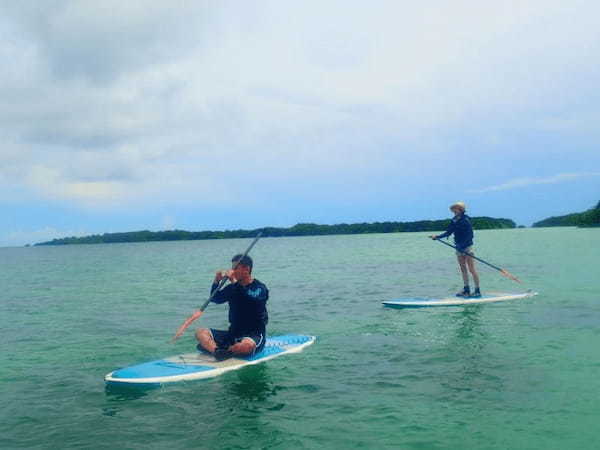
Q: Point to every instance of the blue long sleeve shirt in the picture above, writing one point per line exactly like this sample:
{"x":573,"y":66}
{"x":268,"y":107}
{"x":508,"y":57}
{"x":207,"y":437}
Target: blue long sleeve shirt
{"x":462,"y":229}
{"x":247,"y":306}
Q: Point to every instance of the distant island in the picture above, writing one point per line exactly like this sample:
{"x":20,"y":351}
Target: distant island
{"x":589,"y":218}
{"x":301,"y":229}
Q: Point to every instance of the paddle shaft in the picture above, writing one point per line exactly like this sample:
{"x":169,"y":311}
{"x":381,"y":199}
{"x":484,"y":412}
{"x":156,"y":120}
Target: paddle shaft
{"x":468,"y":254}
{"x":501,"y":270}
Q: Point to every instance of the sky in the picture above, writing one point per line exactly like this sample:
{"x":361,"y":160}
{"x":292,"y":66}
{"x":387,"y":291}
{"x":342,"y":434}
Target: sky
{"x":212,"y":115}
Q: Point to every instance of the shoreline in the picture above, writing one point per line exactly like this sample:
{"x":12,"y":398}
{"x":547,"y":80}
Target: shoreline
{"x":301,"y":229}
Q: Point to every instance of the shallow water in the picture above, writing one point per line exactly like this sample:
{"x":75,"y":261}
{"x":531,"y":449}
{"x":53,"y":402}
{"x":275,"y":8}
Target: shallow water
{"x":520,"y":374}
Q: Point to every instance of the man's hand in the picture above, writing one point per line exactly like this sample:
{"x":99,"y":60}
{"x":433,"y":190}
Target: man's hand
{"x":231,"y":275}
{"x":225,"y":274}
{"x":434,"y":237}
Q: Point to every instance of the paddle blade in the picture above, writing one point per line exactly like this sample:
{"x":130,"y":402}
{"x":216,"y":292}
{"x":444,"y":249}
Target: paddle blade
{"x":509,"y":275}
{"x":186,"y":324}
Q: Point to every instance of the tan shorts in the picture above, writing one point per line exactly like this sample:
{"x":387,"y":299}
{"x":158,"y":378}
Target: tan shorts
{"x":468,"y":250}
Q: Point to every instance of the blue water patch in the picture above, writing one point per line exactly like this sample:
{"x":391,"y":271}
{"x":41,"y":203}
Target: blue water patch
{"x":159,"y":368}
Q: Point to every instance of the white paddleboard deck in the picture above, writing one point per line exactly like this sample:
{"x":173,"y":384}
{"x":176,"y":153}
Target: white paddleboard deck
{"x":456,"y":301}
{"x":196,"y":366}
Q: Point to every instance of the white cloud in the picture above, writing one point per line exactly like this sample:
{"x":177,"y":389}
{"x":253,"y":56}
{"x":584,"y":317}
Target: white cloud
{"x":517,"y":183}
{"x":114,"y":103}
{"x":21,"y":237}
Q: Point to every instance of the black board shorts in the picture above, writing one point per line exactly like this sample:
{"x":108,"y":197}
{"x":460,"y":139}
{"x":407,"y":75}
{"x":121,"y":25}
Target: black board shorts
{"x":224,"y":338}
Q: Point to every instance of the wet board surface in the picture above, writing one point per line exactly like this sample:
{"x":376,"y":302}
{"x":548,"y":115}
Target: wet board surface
{"x":198,"y":365}
{"x":455,"y":301}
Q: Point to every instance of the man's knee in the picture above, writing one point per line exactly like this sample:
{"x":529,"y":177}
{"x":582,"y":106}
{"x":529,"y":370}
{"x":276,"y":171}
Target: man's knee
{"x":245,"y":347}
{"x":203,"y":334}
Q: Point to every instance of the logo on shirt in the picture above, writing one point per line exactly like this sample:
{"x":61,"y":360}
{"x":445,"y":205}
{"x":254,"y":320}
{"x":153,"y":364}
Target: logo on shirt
{"x":254,"y":292}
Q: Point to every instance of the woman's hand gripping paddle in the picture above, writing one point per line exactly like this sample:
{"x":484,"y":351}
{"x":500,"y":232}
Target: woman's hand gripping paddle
{"x":504,"y":272}
{"x":199,"y":312}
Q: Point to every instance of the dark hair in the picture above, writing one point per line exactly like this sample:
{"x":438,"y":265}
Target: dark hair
{"x":243,"y":260}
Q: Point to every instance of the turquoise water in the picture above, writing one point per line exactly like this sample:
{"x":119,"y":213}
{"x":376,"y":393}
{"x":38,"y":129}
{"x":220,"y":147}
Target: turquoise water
{"x":519,"y":374}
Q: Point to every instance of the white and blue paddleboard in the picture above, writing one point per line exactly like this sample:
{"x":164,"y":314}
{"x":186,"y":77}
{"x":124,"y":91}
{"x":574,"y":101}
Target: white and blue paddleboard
{"x":455,"y":301}
{"x":196,"y":366}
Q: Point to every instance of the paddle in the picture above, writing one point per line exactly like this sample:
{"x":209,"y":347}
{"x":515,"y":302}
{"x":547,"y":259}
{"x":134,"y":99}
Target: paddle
{"x":502,"y":271}
{"x":199,"y":312}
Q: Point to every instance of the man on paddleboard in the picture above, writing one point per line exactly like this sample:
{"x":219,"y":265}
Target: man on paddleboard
{"x":248,"y":315}
{"x":462,"y":229}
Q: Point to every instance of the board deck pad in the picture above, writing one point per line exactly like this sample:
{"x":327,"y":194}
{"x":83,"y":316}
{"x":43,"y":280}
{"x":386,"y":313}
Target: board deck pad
{"x":199,"y":365}
{"x":455,"y":301}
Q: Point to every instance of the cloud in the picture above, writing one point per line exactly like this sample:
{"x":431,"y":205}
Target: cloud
{"x":51,"y":183}
{"x":101,"y":42}
{"x":532,"y":181}
{"x":22,"y":237}
{"x":110,"y":104}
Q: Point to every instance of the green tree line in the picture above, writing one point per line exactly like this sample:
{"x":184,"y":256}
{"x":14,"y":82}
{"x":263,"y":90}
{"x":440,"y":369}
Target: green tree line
{"x":589,"y":218}
{"x":301,"y":229}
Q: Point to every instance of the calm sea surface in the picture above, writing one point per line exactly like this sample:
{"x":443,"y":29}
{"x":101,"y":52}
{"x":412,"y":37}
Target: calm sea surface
{"x":522,"y":374}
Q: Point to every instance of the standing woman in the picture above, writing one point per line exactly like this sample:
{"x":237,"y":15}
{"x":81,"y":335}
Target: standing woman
{"x":463,"y":240}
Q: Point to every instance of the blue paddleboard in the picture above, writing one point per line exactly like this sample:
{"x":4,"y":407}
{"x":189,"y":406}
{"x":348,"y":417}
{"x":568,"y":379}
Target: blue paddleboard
{"x":198,"y":365}
{"x":455,"y":301}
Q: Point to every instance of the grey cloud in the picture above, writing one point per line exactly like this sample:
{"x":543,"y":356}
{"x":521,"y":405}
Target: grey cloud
{"x":175,"y":93}
{"x":101,"y":41}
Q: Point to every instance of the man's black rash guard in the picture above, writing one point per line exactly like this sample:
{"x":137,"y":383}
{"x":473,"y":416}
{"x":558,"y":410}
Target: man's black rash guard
{"x":463,"y":231}
{"x":247,"y":307}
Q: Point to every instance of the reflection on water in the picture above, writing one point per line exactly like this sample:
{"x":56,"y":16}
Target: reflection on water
{"x":469,"y":324}
{"x":253,"y":384}
{"x":471,"y":369}
{"x":247,"y":389}
{"x":122,"y":392}
{"x":243,"y":401}
{"x":117,"y":395}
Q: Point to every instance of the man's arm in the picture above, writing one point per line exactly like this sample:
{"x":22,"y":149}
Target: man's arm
{"x":219,"y":296}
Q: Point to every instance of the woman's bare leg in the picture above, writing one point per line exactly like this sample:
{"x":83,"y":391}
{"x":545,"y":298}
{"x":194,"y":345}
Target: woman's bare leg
{"x":474,"y":274}
{"x":463,"y":268}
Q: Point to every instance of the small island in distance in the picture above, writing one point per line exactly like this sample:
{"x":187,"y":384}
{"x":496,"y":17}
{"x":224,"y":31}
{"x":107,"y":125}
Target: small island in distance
{"x":301,"y":229}
{"x":588,"y":218}
{"x":585,"y":219}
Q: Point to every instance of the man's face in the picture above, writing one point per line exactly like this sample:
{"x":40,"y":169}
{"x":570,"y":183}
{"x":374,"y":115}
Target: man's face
{"x":241,"y":271}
